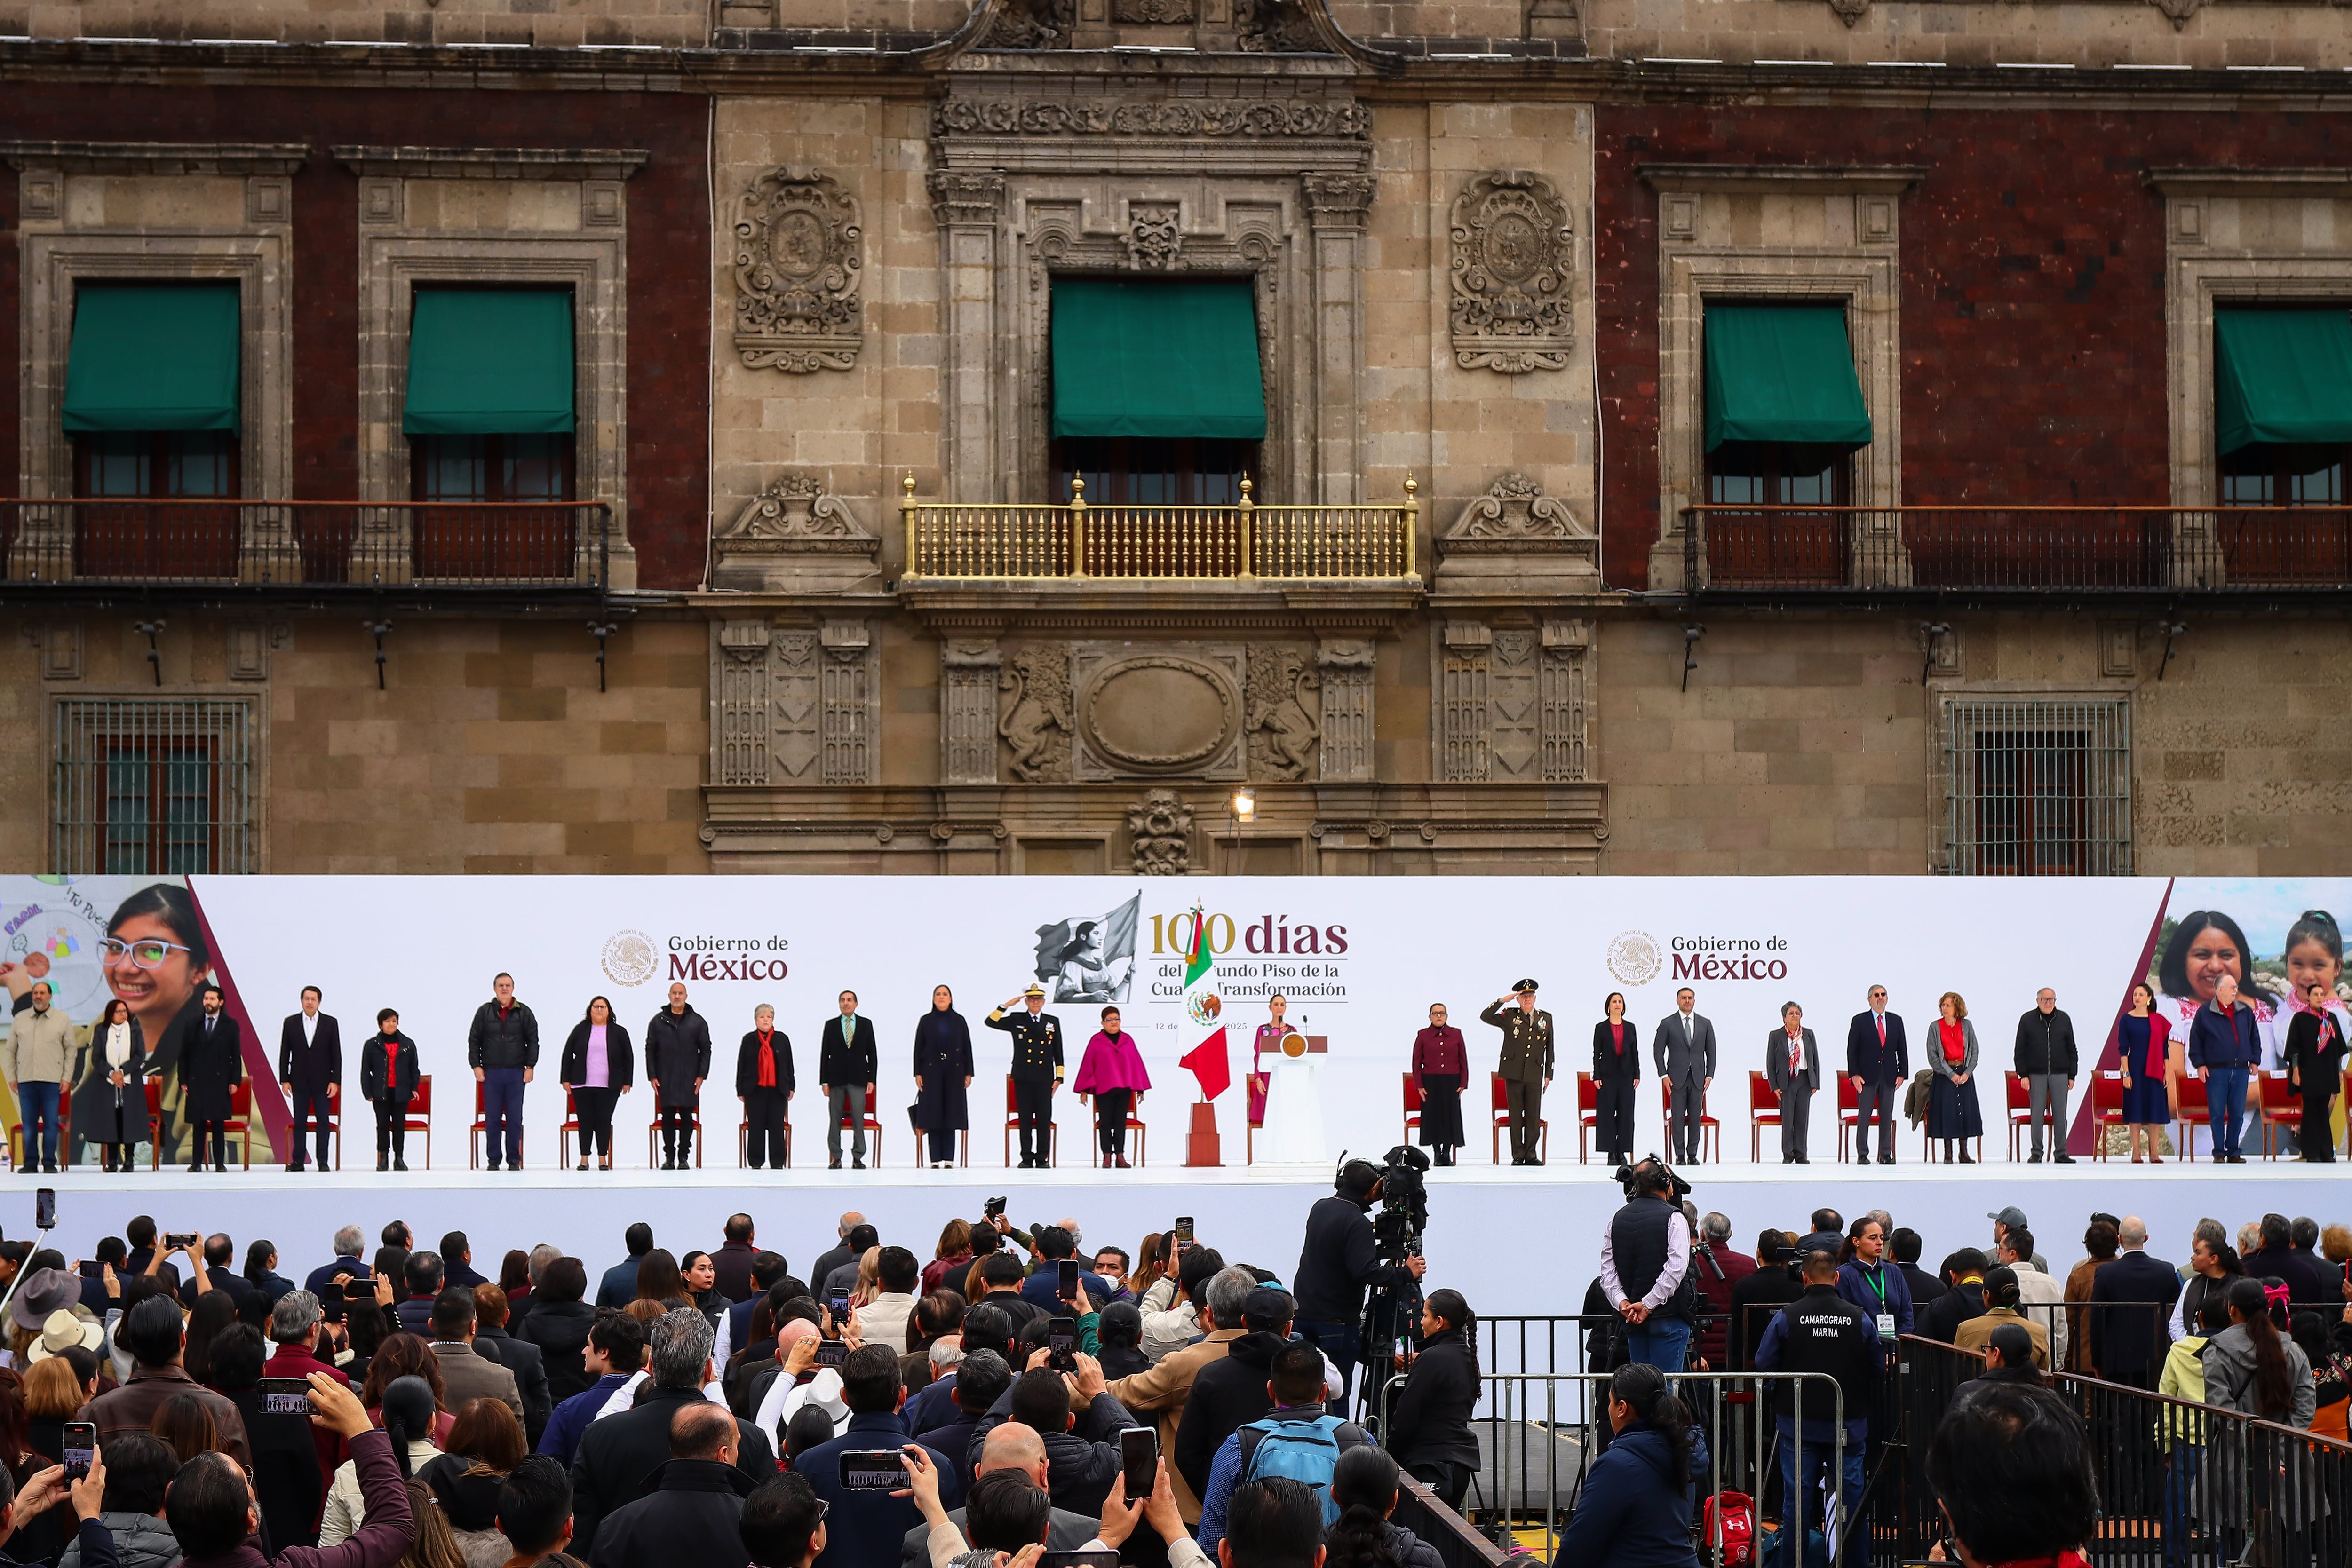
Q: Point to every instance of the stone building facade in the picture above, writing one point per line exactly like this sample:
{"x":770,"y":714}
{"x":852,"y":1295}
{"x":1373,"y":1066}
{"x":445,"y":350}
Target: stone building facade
{"x":808,"y":591}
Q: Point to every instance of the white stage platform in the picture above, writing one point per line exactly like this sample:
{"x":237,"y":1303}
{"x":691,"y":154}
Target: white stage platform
{"x":1512,"y":1240}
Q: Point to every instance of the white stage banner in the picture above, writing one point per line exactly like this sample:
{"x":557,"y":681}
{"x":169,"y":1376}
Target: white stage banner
{"x":1358,"y":961}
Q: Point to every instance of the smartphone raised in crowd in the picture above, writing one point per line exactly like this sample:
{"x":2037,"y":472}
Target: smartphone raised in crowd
{"x":79,"y":1448}
{"x":180,"y":1240}
{"x":1183,"y":1231}
{"x":1061,"y":1343}
{"x":45,"y":1209}
{"x":832,"y":1353}
{"x":1138,"y":1462}
{"x":873,"y":1469}
{"x":1069,"y":1288}
{"x":840,"y":1307}
{"x":284,"y":1396}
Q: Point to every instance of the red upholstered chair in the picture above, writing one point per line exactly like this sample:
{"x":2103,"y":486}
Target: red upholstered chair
{"x":420,"y":1114}
{"x":2280,"y":1108}
{"x":1708,"y":1127}
{"x":1763,"y":1111}
{"x":653,"y":1131}
{"x":2106,"y":1107}
{"x":2194,"y":1111}
{"x":154,"y":1124}
{"x":568,"y":1131}
{"x":240,"y":1121}
{"x":1850,"y":1117}
{"x":743,"y":1142}
{"x":1588,"y":1115}
{"x":301,"y":1131}
{"x":1013,"y":1125}
{"x":2020,"y":1112}
{"x":1134,"y":1126}
{"x":1502,"y":1124}
{"x":1411,"y":1106}
{"x":1254,"y":1085}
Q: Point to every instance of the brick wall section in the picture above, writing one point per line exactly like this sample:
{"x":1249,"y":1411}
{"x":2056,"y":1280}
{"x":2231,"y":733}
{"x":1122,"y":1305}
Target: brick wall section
{"x":670,"y":228}
{"x":2033,"y":324}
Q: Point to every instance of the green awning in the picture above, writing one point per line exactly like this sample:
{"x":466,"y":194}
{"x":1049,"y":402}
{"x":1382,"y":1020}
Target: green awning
{"x":154,"y":356}
{"x":2282,"y":376}
{"x":1782,"y":373}
{"x":1157,"y":359}
{"x":490,"y":361}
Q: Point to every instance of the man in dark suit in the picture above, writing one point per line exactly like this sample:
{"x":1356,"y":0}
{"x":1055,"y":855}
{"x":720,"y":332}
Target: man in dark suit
{"x":844,"y":1076}
{"x":1793,"y":1066}
{"x":1036,"y":1070}
{"x":1683,"y":1044}
{"x":2127,"y":1345}
{"x":211,"y":1063}
{"x":310,"y":1065}
{"x":522,"y":1357}
{"x":1877,"y":1058}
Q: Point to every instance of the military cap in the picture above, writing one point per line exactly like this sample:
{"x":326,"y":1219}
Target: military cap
{"x":1519,"y":987}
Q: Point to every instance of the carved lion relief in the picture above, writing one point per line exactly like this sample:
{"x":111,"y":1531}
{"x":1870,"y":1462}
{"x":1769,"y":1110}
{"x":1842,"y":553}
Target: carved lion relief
{"x":799,"y":254}
{"x":1037,"y":727}
{"x":1511,"y":261}
{"x":1284,"y":728}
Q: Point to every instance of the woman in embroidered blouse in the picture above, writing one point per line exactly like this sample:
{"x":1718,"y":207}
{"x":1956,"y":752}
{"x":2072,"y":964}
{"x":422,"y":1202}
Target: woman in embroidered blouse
{"x":599,"y":1067}
{"x":1953,"y":1115}
{"x":2143,"y":1048}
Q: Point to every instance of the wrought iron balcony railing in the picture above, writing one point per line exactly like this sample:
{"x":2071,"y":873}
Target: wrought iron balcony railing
{"x":1240,"y":543}
{"x":306,"y":544}
{"x":2017,"y":549}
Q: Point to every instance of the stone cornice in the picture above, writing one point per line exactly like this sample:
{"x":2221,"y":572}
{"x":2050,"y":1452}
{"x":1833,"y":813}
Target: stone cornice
{"x":493,"y":162}
{"x":1781,"y":178}
{"x":2219,"y":182}
{"x":158,"y":157}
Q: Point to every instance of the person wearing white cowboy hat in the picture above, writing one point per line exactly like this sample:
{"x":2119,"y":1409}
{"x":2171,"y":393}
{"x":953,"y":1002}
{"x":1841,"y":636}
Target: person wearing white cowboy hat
{"x":61,"y":1331}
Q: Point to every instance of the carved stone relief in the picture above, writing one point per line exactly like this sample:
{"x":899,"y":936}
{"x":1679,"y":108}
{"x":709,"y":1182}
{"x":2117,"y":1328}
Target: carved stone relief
{"x":1256,"y":121}
{"x":1155,"y":237}
{"x":969,"y":671}
{"x":1167,"y":709}
{"x":1277,"y":27}
{"x":1513,"y":702}
{"x":799,"y":252}
{"x":794,"y":537}
{"x":1284,"y":731}
{"x":1160,"y":828}
{"x":1036,"y":725}
{"x":1511,"y":266}
{"x":1346,"y":666}
{"x":794,"y":706}
{"x":1152,"y":13}
{"x":1516,"y":540}
{"x":1031,"y":24}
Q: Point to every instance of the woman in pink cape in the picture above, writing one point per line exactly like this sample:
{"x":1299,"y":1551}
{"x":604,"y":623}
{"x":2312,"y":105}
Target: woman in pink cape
{"x":1112,"y":1072}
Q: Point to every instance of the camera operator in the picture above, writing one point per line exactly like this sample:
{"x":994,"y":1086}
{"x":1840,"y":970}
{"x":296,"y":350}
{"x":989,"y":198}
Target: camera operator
{"x":1339,"y":1261}
{"x":1646,"y":1268}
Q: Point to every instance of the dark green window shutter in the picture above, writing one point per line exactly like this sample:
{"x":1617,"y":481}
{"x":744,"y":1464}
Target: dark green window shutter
{"x":1154,"y":358}
{"x":154,"y":356}
{"x":1782,"y":373}
{"x":490,"y":361}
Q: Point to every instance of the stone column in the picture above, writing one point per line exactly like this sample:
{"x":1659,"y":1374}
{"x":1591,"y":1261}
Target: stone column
{"x":968,"y":675}
{"x":1335,"y":208}
{"x":848,"y":688}
{"x":1346,"y":664}
{"x":1465,"y":717}
{"x":1566,"y":680}
{"x":740,"y":720}
{"x":968,"y":206}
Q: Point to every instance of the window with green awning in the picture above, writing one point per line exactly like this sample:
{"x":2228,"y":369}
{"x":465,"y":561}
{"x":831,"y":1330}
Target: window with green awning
{"x":2281,"y":377}
{"x":1782,"y":374}
{"x":1157,"y":360}
{"x":490,"y":361}
{"x":154,"y":357}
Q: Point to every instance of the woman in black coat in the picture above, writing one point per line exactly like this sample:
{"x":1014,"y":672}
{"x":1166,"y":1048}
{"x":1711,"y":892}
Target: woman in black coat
{"x":763,"y":1082}
{"x":388,"y":1083}
{"x":942,"y":1072}
{"x":559,"y":1322}
{"x":1429,"y":1420}
{"x":109,"y":1104}
{"x":1616,"y":1069}
{"x":597,"y":1077}
{"x":2314,"y":1055}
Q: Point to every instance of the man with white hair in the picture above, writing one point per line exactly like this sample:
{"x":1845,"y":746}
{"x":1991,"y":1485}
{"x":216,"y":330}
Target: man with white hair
{"x":2124,"y":1337}
{"x":347,"y":1260}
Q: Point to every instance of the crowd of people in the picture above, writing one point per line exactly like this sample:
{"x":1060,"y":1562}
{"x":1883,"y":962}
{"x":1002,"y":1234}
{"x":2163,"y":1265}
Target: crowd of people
{"x":394,"y":1405}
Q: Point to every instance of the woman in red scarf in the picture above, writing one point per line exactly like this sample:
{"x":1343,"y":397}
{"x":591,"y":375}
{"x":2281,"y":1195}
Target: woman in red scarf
{"x":763,"y":1082}
{"x":1952,"y":1112}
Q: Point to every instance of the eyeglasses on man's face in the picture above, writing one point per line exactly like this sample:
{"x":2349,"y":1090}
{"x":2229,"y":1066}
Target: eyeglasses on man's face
{"x":147,"y":952}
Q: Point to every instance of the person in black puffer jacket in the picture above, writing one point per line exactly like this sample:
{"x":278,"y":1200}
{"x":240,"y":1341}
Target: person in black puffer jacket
{"x":1364,"y":1487}
{"x":1429,"y":1420}
{"x":558,"y":1324}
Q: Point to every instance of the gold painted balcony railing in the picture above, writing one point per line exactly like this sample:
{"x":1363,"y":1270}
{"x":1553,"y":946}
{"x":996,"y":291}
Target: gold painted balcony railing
{"x":1240,"y":543}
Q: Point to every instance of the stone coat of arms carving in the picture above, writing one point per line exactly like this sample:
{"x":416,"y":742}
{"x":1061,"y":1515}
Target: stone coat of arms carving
{"x":799,"y":256}
{"x":1511,"y":264}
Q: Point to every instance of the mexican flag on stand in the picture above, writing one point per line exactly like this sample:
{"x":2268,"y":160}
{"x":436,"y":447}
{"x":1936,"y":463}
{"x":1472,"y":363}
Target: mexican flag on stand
{"x":1207,"y":1061}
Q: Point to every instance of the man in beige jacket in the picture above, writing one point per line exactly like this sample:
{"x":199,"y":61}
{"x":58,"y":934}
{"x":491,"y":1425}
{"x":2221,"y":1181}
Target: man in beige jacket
{"x":40,"y":1055}
{"x":1161,"y":1389}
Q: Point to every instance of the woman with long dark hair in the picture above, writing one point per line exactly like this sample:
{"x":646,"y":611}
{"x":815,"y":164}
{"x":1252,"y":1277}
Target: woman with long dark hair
{"x":261,"y":1272}
{"x":659,"y":1279}
{"x":2144,"y":1051}
{"x":1635,"y":1509}
{"x":410,"y":1414}
{"x":156,"y":962}
{"x":2250,"y":1367}
{"x":599,"y":1066}
{"x":1364,"y":1490}
{"x":1429,"y":1420}
{"x":1616,"y":1075}
{"x":559,"y":1322}
{"x":942,"y":1073}
{"x":207,"y":1319}
{"x":109,"y":1104}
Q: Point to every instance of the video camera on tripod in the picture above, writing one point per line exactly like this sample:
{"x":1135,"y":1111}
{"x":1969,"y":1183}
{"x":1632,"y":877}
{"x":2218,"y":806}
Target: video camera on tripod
{"x":1392,"y":1312}
{"x":1404,"y":1204}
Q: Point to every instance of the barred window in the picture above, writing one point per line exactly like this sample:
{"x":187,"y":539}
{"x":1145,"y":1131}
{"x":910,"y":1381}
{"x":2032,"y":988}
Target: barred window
{"x":153,"y":788}
{"x":2038,"y":788}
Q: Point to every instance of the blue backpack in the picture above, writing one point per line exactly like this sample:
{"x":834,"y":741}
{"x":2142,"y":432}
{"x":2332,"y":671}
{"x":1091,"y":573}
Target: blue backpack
{"x":1305,"y":1452}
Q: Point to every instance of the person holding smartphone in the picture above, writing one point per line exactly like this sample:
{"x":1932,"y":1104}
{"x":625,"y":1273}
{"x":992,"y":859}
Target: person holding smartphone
{"x":82,"y":1480}
{"x":866,"y":1523}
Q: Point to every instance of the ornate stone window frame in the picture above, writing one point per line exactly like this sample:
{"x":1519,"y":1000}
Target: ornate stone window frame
{"x":1864,"y":274}
{"x":57,"y":251}
{"x":1025,"y":189}
{"x":394,"y":256}
{"x":2204,"y":268}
